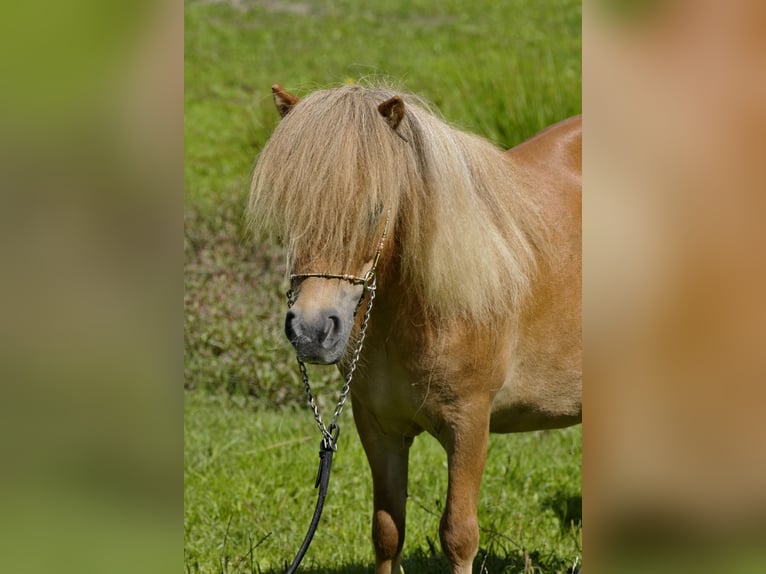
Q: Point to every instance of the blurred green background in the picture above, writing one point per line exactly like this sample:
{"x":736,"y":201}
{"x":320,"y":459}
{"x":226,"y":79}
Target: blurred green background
{"x":91,"y":201}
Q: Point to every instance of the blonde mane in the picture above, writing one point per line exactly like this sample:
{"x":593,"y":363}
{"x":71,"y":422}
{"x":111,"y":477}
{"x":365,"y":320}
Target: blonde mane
{"x":467,"y":236}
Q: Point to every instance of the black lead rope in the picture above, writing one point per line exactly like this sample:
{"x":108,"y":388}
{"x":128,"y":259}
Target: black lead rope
{"x":326,"y":449}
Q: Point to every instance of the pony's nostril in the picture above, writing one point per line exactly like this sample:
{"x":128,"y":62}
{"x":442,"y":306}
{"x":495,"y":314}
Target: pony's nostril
{"x":289,"y":328}
{"x":331,"y":327}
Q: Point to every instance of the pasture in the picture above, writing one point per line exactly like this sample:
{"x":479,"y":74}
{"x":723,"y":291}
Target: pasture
{"x":502,"y":70}
{"x":249,"y":494}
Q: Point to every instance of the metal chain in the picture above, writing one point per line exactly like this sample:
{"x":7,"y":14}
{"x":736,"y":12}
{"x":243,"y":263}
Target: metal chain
{"x":369,"y":281}
{"x":330,"y":433}
{"x":357,"y":351}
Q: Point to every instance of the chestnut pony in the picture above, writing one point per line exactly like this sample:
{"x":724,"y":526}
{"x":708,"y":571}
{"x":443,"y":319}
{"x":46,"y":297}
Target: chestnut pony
{"x":476,"y":322}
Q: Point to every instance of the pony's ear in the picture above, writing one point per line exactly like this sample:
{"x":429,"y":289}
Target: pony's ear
{"x":392,"y":111}
{"x":284,"y":100}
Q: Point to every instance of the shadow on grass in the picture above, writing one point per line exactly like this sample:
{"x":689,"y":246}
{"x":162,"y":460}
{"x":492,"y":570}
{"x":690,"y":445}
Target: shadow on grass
{"x":420,"y":562}
{"x":347,"y":569}
{"x":567,"y":507}
{"x":424,"y":562}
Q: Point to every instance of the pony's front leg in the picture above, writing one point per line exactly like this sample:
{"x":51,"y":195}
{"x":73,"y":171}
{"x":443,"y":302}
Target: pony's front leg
{"x":388,"y":456}
{"x":465,"y":440}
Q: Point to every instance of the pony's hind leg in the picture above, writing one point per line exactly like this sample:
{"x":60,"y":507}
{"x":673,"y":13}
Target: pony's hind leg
{"x":466,"y":446}
{"x":388,"y":456}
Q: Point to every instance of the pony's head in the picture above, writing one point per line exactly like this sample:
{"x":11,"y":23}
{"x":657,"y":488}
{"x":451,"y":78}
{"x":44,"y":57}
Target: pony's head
{"x":317,"y":189}
{"x":345,"y":164}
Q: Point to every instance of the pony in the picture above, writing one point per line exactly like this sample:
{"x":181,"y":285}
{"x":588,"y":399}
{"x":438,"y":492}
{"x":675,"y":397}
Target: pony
{"x":476,"y":326}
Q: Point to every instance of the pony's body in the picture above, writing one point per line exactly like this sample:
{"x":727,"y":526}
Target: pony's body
{"x":486,"y":337}
{"x":543,"y":387}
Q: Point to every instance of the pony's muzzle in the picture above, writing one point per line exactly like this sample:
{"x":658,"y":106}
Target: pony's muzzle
{"x":320,"y":338}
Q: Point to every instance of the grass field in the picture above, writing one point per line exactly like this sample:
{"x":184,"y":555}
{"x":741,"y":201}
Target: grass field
{"x":249,"y":478}
{"x":503,"y":70}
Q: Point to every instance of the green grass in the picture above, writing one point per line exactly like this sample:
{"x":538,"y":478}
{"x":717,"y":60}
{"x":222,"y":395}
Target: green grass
{"x":248,"y":492}
{"x":502,"y":70}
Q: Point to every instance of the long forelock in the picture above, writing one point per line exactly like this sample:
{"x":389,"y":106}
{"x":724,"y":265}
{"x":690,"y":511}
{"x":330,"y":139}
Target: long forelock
{"x":324,"y":178}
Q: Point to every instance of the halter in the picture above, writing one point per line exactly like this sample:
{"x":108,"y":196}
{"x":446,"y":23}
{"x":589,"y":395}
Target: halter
{"x":353,"y":279}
